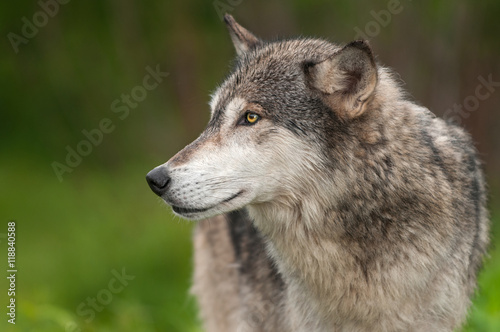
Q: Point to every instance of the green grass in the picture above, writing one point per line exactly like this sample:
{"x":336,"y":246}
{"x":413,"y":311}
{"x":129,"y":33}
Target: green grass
{"x":71,"y":235}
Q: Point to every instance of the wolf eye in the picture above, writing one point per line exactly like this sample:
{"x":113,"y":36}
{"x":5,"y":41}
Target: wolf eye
{"x":251,"y":118}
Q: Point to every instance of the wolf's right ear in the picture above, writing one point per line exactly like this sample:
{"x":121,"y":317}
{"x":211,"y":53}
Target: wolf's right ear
{"x":243,"y":39}
{"x":346,"y":80}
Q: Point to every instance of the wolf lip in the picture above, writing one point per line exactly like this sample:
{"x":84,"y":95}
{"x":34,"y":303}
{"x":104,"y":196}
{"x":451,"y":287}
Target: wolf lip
{"x":184,"y":211}
{"x":181,"y":210}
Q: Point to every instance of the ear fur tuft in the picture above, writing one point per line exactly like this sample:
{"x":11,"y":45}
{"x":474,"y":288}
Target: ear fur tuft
{"x":346,"y":80}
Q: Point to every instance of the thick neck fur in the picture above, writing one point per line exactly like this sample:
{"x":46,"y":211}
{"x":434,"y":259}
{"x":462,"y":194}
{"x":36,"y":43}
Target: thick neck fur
{"x":302,"y":254}
{"x":306,"y":232}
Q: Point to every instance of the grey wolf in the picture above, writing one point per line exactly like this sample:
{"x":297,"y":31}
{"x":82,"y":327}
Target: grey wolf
{"x":332,"y":201}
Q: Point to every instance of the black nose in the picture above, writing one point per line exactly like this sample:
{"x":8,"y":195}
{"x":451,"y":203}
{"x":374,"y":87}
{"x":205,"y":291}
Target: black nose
{"x":158,"y":180}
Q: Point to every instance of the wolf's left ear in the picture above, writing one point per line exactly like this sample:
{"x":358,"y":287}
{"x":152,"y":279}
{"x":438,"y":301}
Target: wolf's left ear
{"x":346,"y":80}
{"x":243,"y":39}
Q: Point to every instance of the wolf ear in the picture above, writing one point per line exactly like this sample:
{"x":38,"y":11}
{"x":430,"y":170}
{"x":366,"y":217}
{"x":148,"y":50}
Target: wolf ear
{"x":243,"y":39}
{"x":346,"y":80}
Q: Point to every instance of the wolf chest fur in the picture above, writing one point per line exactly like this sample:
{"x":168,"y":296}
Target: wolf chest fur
{"x":330,"y":201}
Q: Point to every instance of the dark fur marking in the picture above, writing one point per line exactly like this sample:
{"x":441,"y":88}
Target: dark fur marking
{"x":236,"y":229}
{"x":475,"y":197}
{"x":436,"y":154}
{"x":388,"y":165}
{"x":249,"y":247}
{"x":294,"y":128}
{"x":216,"y":120}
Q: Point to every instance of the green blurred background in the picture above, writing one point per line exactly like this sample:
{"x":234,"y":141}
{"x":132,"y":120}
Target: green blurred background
{"x":102,"y":217}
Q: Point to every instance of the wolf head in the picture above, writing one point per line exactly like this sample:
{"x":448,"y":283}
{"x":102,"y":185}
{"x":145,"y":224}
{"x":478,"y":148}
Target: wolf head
{"x":277,"y":126}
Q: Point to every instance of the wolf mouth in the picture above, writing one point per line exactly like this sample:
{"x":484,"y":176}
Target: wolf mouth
{"x":184,"y":211}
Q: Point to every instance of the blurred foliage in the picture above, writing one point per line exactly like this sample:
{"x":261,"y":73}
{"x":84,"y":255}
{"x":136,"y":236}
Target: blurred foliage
{"x":102,"y":216}
{"x":72,"y":235}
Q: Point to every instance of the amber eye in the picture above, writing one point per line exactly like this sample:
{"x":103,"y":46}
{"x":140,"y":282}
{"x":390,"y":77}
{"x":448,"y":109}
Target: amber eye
{"x":251,"y":118}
